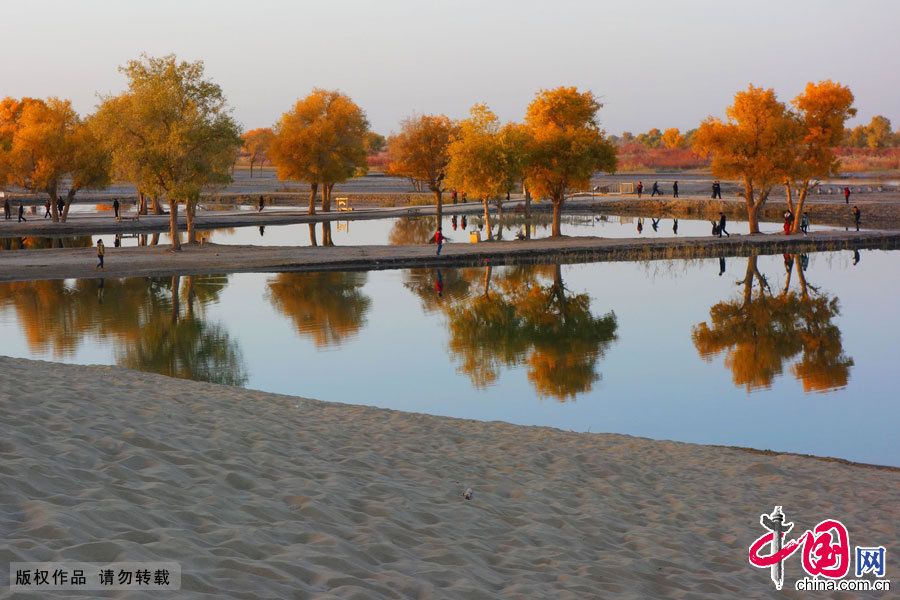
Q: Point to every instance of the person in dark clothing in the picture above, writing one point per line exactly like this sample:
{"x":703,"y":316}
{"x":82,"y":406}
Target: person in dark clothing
{"x":101,"y":250}
{"x":453,"y":222}
{"x":856,"y":257}
{"x":655,"y":191}
{"x":464,"y":222}
{"x":717,"y":189}
{"x":261,"y":205}
{"x":675,"y":226}
{"x":715,"y":228}
{"x":856,"y":216}
{"x":262,"y":230}
{"x":47,"y":213}
{"x":721,"y":266}
{"x":640,"y":189}
{"x":7,"y":214}
{"x":116,"y":206}
{"x":60,"y":205}
{"x":722,"y":222}
{"x":846,"y":195}
{"x":439,"y":239}
{"x":675,"y":190}
{"x":654,"y":223}
{"x":22,"y":214}
{"x":804,"y":223}
{"x":640,"y":225}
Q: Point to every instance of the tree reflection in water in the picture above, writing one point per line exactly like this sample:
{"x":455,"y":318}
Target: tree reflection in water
{"x":524,"y":317}
{"x":146,"y":321}
{"x":761,"y":331}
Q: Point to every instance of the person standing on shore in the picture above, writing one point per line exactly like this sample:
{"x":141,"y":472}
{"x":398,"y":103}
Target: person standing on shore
{"x":675,"y":226}
{"x":21,"y":213}
{"x":722,"y":222}
{"x":261,"y":205}
{"x":717,"y":189}
{"x":439,"y":240}
{"x":655,"y":191}
{"x":101,"y":250}
{"x":116,"y":206}
{"x":47,"y":213}
{"x":7,"y":214}
{"x":60,"y":205}
{"x":846,"y":195}
{"x":640,"y":189}
{"x":856,"y":216}
{"x":804,"y":223}
{"x":453,"y":196}
{"x":675,"y":190}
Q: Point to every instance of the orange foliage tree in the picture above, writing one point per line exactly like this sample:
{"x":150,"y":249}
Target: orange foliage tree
{"x":256,"y":145}
{"x":420,"y":152}
{"x":565,"y":145}
{"x":321,"y":141}
{"x":751,"y":145}
{"x":818,"y":126}
{"x":44,"y":144}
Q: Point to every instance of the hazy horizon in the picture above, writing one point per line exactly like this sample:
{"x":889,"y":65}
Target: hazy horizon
{"x":653,"y":63}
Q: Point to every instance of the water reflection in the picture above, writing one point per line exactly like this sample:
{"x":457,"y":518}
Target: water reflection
{"x":328,"y":307}
{"x":760,"y":331}
{"x":519,"y":316}
{"x":153,"y":324}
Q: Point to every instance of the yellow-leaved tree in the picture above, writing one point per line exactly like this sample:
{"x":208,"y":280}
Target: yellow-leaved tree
{"x":256,"y":145}
{"x":421,"y":152}
{"x":752,"y":144}
{"x":45,"y":145}
{"x":322,"y":141}
{"x":486,"y":159}
{"x":170,"y":133}
{"x":565,"y":145}
{"x":818,"y":126}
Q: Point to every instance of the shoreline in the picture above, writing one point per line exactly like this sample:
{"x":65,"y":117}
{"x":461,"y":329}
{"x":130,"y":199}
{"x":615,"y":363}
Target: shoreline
{"x":154,"y":261}
{"x":259,"y":494}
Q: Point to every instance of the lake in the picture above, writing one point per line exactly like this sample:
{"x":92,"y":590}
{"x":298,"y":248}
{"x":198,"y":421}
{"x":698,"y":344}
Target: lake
{"x":792,"y":353}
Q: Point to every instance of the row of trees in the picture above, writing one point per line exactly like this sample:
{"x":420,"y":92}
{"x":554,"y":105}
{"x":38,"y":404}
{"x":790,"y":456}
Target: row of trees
{"x":764,"y":143}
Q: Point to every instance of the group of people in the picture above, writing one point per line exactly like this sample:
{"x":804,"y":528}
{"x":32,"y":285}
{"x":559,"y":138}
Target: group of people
{"x":655,"y":191}
{"x":7,"y":211}
{"x":789,"y":222}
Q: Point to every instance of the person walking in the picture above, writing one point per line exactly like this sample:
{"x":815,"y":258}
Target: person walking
{"x":655,"y":191}
{"x":261,"y":205}
{"x":116,"y":206}
{"x":675,"y":190}
{"x":846,"y":195}
{"x":722,"y":222}
{"x":439,"y":239}
{"x":675,"y":226}
{"x":453,"y":195}
{"x":6,"y":210}
{"x":60,"y":205}
{"x":47,"y":213}
{"x":717,"y":189}
{"x":804,"y":223}
{"x":22,"y":213}
{"x":640,"y":225}
{"x":640,"y":189}
{"x":101,"y":250}
{"x":856,"y":216}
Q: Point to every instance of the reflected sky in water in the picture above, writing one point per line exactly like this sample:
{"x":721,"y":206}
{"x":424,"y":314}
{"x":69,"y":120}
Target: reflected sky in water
{"x":792,"y":353}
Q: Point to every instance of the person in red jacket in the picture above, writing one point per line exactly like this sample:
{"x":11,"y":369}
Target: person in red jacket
{"x":439,"y":240}
{"x":846,"y":194}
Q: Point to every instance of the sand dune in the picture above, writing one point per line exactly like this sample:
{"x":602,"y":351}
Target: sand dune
{"x":259,"y":495}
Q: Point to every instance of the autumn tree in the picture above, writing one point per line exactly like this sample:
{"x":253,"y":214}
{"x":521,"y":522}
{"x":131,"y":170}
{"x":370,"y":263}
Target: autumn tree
{"x":751,"y":145}
{"x":672,"y":138}
{"x":565,"y":146}
{"x":485,"y":158}
{"x":256,"y":143}
{"x":878,"y":132}
{"x":817,"y":126}
{"x":45,"y":145}
{"x":375,"y":142}
{"x":420,"y":152}
{"x":171,"y":133}
{"x":651,"y":139}
{"x":322,"y":141}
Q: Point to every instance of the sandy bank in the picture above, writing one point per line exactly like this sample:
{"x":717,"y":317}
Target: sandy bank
{"x":265,"y":496}
{"x":147,"y":261}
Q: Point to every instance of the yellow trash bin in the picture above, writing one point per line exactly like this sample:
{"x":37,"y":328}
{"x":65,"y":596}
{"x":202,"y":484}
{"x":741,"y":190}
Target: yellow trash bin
{"x":474,"y":237}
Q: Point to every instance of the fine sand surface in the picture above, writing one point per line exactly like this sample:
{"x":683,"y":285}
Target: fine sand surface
{"x":260,"y":495}
{"x":158,"y":261}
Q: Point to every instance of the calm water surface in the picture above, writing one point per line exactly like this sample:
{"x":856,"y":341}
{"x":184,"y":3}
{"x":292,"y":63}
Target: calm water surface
{"x":792,"y":353}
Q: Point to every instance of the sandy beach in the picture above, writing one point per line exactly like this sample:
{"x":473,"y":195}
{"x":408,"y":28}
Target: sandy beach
{"x":260,"y":495}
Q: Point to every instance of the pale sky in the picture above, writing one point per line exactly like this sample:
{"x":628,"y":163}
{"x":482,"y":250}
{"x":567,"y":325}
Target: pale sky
{"x":654,"y":63}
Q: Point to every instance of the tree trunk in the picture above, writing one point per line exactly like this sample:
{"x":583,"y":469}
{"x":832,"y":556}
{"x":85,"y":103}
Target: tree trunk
{"x":176,"y":299}
{"x":500,"y":219}
{"x":142,"y":203}
{"x":556,"y":230}
{"x":312,"y":234}
{"x":154,"y":239}
{"x":438,"y":202}
{"x":798,"y":214}
{"x":70,"y":197}
{"x":326,"y":196}
{"x":527,"y":213}
{"x":157,"y":206}
{"x":753,"y":217}
{"x":487,"y":219}
{"x":51,"y":191}
{"x":173,"y":224}
{"x":326,"y":234}
{"x":487,"y":279}
{"x":251,"y":168}
{"x":190,"y":209}
{"x":313,"y":190}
